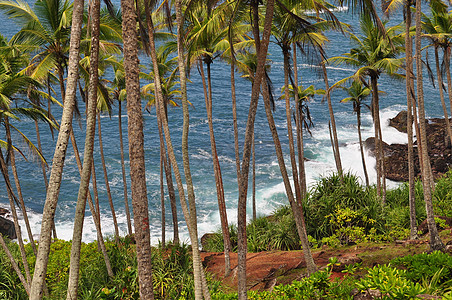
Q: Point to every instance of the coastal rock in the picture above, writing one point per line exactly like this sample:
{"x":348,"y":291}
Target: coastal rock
{"x":396,"y":155}
{"x":4,"y":212}
{"x":7,"y":228}
{"x":399,"y":121}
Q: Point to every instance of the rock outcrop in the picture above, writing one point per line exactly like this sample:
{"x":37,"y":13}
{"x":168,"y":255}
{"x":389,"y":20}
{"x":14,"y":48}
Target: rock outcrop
{"x":396,"y":155}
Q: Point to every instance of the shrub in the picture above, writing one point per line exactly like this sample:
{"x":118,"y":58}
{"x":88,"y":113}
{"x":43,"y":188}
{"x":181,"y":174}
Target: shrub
{"x":425,"y":266}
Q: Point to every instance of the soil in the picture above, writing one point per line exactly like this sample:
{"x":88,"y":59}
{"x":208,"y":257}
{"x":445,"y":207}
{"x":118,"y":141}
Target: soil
{"x":266,"y":269}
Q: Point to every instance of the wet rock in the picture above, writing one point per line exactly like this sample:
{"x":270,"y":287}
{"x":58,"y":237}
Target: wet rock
{"x":4,"y":212}
{"x":399,"y":122}
{"x":396,"y":155}
{"x":7,"y":228}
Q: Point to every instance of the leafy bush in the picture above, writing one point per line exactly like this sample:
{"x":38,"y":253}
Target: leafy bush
{"x":333,"y":193}
{"x":442,"y":197}
{"x":391,"y":282}
{"x":425,"y":266}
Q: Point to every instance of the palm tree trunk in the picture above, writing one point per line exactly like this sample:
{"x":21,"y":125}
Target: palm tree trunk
{"x":43,"y":166}
{"x":123,"y":168}
{"x":409,"y":93}
{"x":107,"y":183}
{"x":376,"y":117}
{"x":361,"y":147}
{"x":243,"y":189}
{"x":162,"y":199}
{"x":59,"y":155}
{"x":15,"y":266}
{"x":169,"y":183}
{"x":254,"y":178}
{"x":217,"y":169}
{"x":136,"y":150}
{"x":189,"y":214}
{"x":435,"y":240}
{"x":12,"y":199}
{"x":88,"y":154}
{"x":234,"y":120}
{"x":296,"y":206}
{"x":18,"y":187}
{"x":299,"y":124}
{"x":337,"y":156}
{"x":441,"y":94}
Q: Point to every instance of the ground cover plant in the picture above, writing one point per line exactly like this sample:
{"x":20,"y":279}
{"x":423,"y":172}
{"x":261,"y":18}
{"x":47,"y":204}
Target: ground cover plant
{"x":359,"y":219}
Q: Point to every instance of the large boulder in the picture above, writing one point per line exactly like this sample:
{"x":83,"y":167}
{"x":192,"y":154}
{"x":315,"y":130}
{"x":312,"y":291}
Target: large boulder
{"x":399,"y":122}
{"x":7,"y":228}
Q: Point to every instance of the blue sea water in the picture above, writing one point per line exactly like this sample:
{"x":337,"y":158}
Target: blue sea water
{"x":270,"y":189}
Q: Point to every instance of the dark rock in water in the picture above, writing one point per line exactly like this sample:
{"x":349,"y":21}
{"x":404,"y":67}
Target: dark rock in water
{"x":369,"y":145}
{"x":3,"y":212}
{"x":399,"y":121}
{"x":7,"y":228}
{"x":396,"y":155}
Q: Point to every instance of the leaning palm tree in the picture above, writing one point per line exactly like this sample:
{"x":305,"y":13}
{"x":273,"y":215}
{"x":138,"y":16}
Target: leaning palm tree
{"x":374,"y":53}
{"x":59,"y":156}
{"x":435,"y":240}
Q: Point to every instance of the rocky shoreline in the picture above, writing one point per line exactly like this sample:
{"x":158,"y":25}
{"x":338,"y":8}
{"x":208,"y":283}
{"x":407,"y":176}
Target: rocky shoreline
{"x":396,"y":155}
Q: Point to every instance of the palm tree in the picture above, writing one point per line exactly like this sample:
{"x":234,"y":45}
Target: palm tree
{"x":438,"y":29}
{"x":261,"y":50}
{"x":136,"y":150}
{"x":87,"y":159}
{"x":435,"y":240}
{"x":119,"y":93}
{"x":168,"y":75}
{"x":59,"y":155}
{"x":357,"y":92}
{"x":203,"y":40}
{"x":374,"y":54}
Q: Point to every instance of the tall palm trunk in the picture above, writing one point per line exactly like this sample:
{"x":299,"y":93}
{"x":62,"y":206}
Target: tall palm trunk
{"x":435,"y":240}
{"x":12,"y":157}
{"x":87,"y":158}
{"x":162,"y":199}
{"x":201,"y":289}
{"x":15,"y":265}
{"x":254,"y":178}
{"x":234,"y":117}
{"x":169,"y":183}
{"x":448,"y":76}
{"x":136,"y":150}
{"x":107,"y":183}
{"x":409,"y":94}
{"x":12,"y":199}
{"x":59,"y":155}
{"x":295,"y":204}
{"x":337,"y":155}
{"x":441,"y":94}
{"x":361,"y":147}
{"x":123,"y":169}
{"x":261,"y":49}
{"x":299,"y":124}
{"x":216,"y":167}
{"x":378,"y":139}
{"x":43,"y":166}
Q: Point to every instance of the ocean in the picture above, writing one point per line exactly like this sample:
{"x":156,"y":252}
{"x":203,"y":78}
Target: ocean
{"x":270,"y":189}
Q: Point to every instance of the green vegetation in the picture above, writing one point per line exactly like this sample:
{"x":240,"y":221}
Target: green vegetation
{"x":358,"y":218}
{"x":340,"y":213}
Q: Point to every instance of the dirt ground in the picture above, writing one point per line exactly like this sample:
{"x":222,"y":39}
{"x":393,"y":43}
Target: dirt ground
{"x":267,"y":269}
